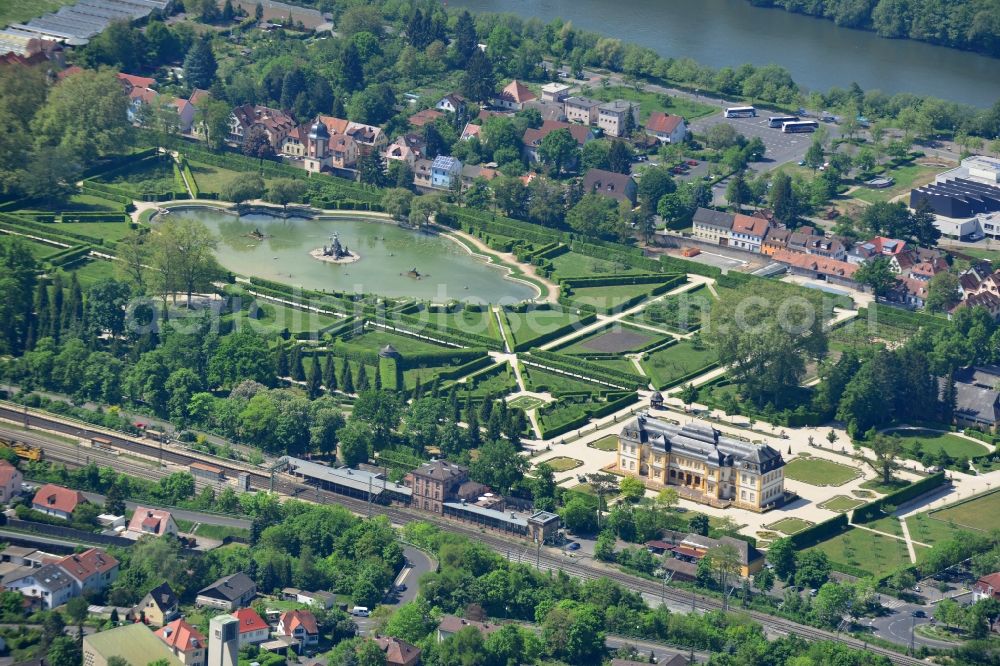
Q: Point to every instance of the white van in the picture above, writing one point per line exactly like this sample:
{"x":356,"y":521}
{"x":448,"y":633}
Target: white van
{"x":360,"y":611}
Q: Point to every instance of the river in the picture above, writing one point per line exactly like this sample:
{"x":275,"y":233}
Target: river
{"x":819,"y":54}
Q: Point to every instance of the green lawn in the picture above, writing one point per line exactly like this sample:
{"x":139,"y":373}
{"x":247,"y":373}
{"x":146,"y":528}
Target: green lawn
{"x":220,"y":532}
{"x":606,"y":443}
{"x":610,"y":297}
{"x":872,"y":552}
{"x":89,"y":202}
{"x":980,"y":253}
{"x":525,"y":402}
{"x":789,"y":526}
{"x":38,"y":250}
{"x":649,"y":102}
{"x":935,"y":442}
{"x":91,"y":271}
{"x":883,"y":488}
{"x":277,"y":317}
{"x":666,"y":366}
{"x":681,"y":313}
{"x":19,"y":11}
{"x":819,"y":472}
{"x":148,"y":175}
{"x":109,"y":231}
{"x":533,"y":324}
{"x":980,"y":513}
{"x":841,"y":504}
{"x":211,"y":178}
{"x":375,"y":339}
{"x":540,"y":381}
{"x":478,"y":323}
{"x":907,"y":177}
{"x":562,"y":463}
{"x":573,"y":264}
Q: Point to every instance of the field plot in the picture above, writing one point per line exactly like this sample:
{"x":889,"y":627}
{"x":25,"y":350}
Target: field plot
{"x":614,"y":340}
{"x":534,"y":326}
{"x":574,"y":264}
{"x":676,"y":362}
{"x":820,"y":472}
{"x":375,"y":339}
{"x":148,"y":175}
{"x":540,"y":381}
{"x":468,"y":321}
{"x":789,"y":526}
{"x":681,"y":313}
{"x":932,"y":442}
{"x":562,"y":463}
{"x":841,"y":504}
{"x":978,"y":513}
{"x":871,"y":552}
{"x":606,"y":443}
{"x":611,"y":297}
{"x":526,"y":402}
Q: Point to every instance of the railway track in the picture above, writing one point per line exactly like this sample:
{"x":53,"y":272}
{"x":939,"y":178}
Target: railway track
{"x":261,"y":480}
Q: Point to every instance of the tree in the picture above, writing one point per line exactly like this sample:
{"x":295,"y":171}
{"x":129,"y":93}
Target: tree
{"x":396,"y":202}
{"x":285,"y":191}
{"x":812,"y":569}
{"x":579,"y":516}
{"x":725,"y":562}
{"x":63,"y":651}
{"x":182,"y":252}
{"x":781,"y":556}
{"x":213,"y":118}
{"x":558,"y":150}
{"x":763,"y":580}
{"x":737,"y":192}
{"x":667,"y":499}
{"x":943,"y":292}
{"x":76,"y":609}
{"x":784,"y":201}
{"x":479,"y":81}
{"x":877,"y":274}
{"x":632,"y":489}
{"x":372,"y":170}
{"x":423,"y":208}
{"x":722,"y":136}
{"x":655,"y":183}
{"x":465,"y":41}
{"x":815,"y":156}
{"x":355,"y":438}
{"x":199,"y":63}
{"x":51,"y":175}
{"x":256,"y":144}
{"x":412,"y":621}
{"x":831,"y":602}
{"x":699,"y":524}
{"x":595,"y":216}
{"x":498,"y":465}
{"x":510,"y":194}
{"x":604,"y":547}
{"x":85,"y":115}
{"x":620,"y":157}
{"x":243,"y":187}
{"x":886,"y":449}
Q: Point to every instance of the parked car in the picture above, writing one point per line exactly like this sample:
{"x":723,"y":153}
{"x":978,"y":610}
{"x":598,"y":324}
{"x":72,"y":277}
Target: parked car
{"x":401,"y":587}
{"x":919,"y":613}
{"x":573,"y":546}
{"x":692,"y":162}
{"x":677,"y":170}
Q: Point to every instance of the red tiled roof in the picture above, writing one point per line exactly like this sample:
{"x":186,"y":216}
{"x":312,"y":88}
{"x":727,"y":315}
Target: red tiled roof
{"x":453,"y":624}
{"x":136,"y":81}
{"x":249,"y":620}
{"x":51,"y":496}
{"x":199,"y":96}
{"x":421,"y":118}
{"x":517,"y":92}
{"x":145,"y":94}
{"x":664,"y":123}
{"x":816,"y":263}
{"x":7,"y":472}
{"x":68,"y":72}
{"x":745,"y":224}
{"x":89,"y":563}
{"x":291,"y":620}
{"x":989,"y":581}
{"x":397,"y":651}
{"x":533,"y":136}
{"x":471,"y":131}
{"x":149,"y":520}
{"x":181,"y":636}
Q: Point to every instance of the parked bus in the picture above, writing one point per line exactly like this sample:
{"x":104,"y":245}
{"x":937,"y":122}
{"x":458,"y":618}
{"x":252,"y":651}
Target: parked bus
{"x":778,"y":121}
{"x":741,"y":112}
{"x":800,"y":126}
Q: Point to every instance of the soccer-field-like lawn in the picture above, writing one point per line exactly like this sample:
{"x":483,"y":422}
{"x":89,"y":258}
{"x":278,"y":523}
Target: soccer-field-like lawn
{"x":872,"y":552}
{"x":980,"y":513}
{"x":820,"y":472}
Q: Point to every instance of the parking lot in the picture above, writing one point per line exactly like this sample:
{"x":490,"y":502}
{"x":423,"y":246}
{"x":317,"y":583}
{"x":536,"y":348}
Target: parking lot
{"x":781,"y":148}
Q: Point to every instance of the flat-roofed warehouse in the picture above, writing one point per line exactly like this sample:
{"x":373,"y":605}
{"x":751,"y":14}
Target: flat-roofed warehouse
{"x":350,"y":482}
{"x":957,"y":198}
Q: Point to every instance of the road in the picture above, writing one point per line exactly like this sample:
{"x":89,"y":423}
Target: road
{"x":547,"y":559}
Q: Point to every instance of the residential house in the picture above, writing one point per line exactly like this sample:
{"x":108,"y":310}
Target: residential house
{"x":398,"y":150}
{"x":294,"y":144}
{"x":704,"y":464}
{"x":422,"y":173}
{"x":344,"y":152}
{"x":533,"y":137}
{"x":154,"y":522}
{"x":446,"y":172}
{"x":133,"y":643}
{"x":198,"y":98}
{"x":980,"y":288}
{"x":229,"y":592}
{"x":712,"y":226}
{"x":985,"y":300}
{"x":472,"y":171}
{"x":471,"y":131}
{"x":434,"y":483}
{"x":667,"y":128}
{"x":451,"y":103}
{"x":977,"y":402}
{"x":776,"y":239}
{"x":10,"y":481}
{"x":748,"y":232}
{"x":611,"y":116}
{"x":370,"y":139}
{"x":26,"y":557}
{"x":909,"y":291}
{"x":318,"y":599}
{"x":299,"y":626}
{"x":514,"y":96}
{"x":829,"y":248}
{"x":874,"y":248}
{"x":424,"y":117}
{"x":555,"y":92}
{"x":680,"y":547}
{"x":49,"y":585}
{"x":581,"y":110}
{"x":185,"y":113}
{"x":987,"y":587}
{"x":275,"y":123}
{"x":158,"y":607}
{"x":548,"y":110}
{"x":185,"y":642}
{"x":139,"y":90}
{"x":397,"y":651}
{"x":451,"y":625}
{"x":253,"y":629}
{"x":93,"y":570}
{"x":673,"y":660}
{"x":818,"y":268}
{"x":57,"y":501}
{"x":223,"y":641}
{"x":618,"y":186}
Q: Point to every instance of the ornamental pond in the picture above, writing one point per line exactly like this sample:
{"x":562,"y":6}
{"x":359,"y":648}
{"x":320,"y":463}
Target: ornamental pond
{"x":389,"y":255}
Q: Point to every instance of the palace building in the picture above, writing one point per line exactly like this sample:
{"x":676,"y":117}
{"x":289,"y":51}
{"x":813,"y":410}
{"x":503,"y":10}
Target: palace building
{"x":703,"y":464}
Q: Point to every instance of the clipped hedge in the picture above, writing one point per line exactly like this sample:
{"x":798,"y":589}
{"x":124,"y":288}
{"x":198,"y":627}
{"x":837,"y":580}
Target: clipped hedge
{"x":576,"y":365}
{"x":96,"y":217}
{"x":115,"y":163}
{"x":46,"y":230}
{"x":904,"y":318}
{"x":820,"y":532}
{"x":875,"y":509}
{"x":443,"y":357}
{"x":416,"y":326}
{"x":584,"y":282}
{"x":68,"y":256}
{"x":106,"y":191}
{"x":675,"y":264}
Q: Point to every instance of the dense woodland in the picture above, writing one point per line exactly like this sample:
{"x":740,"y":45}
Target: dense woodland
{"x":972,"y":25}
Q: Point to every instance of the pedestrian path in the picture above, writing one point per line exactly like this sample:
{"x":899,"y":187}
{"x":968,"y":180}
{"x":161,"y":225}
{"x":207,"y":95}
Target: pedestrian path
{"x":909,"y":541}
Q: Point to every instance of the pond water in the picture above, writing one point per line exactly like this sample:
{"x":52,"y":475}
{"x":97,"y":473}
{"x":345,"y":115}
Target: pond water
{"x":388,"y":252}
